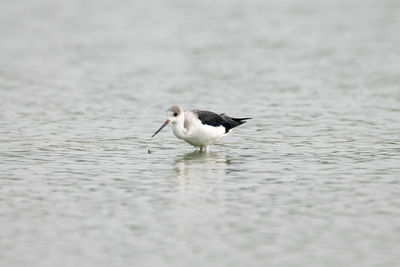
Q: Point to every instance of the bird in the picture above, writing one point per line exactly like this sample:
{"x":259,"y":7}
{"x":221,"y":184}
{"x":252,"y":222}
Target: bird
{"x":200,"y":128}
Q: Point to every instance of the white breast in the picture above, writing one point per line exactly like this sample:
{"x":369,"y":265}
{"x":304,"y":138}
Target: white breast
{"x":199,"y":134}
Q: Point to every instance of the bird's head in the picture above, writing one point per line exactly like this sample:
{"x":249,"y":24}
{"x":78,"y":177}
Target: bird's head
{"x":175,"y":114}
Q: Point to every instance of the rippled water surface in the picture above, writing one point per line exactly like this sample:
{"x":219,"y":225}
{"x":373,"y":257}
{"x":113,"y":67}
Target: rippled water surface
{"x":312,"y":180}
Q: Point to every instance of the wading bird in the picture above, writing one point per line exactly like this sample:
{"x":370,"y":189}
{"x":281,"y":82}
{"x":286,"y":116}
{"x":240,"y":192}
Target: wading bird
{"x":198,"y":127}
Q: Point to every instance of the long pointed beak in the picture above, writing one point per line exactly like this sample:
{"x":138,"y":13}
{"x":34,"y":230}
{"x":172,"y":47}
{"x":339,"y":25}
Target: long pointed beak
{"x":162,"y":126}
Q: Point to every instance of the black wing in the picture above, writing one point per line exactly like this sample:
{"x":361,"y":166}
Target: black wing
{"x":213,"y":119}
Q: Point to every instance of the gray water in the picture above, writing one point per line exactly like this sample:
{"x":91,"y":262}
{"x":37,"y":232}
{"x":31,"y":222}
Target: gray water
{"x":312,"y":180}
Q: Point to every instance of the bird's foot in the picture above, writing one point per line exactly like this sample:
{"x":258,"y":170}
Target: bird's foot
{"x":204,"y":149}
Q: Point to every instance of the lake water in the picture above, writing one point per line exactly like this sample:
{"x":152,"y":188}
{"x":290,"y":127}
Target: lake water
{"x":311,"y":180}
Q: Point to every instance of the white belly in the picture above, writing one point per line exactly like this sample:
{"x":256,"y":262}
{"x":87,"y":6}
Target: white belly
{"x":204,"y":135}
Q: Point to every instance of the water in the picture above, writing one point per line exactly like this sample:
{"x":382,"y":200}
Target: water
{"x":312,"y":180}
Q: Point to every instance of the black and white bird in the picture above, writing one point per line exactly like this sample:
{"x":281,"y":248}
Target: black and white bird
{"x":198,"y":127}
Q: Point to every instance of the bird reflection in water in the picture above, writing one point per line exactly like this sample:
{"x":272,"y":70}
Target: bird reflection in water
{"x":201,"y":171}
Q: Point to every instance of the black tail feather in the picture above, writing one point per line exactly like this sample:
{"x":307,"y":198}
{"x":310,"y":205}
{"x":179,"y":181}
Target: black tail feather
{"x":233,"y":122}
{"x":241,"y":119}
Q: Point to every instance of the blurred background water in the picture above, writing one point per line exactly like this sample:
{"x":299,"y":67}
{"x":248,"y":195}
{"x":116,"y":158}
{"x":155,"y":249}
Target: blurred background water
{"x":312,"y":180}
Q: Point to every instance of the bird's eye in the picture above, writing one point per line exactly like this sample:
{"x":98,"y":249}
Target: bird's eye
{"x":175,"y":114}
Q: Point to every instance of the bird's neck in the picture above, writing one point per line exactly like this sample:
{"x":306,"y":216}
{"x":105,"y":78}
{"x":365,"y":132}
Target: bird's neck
{"x":179,"y":128}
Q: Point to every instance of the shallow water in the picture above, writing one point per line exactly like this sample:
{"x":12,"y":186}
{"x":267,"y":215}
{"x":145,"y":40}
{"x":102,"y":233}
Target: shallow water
{"x":312,"y":180}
